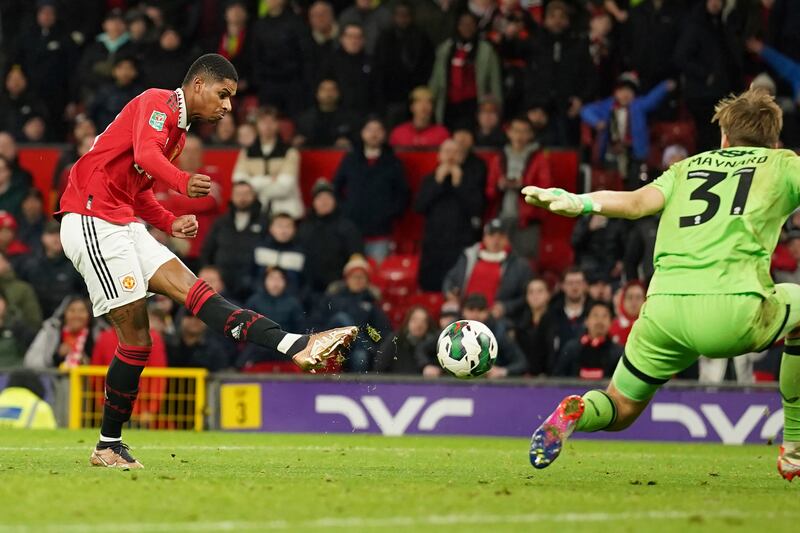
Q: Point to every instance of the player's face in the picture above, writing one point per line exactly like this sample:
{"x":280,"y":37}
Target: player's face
{"x":213,"y":99}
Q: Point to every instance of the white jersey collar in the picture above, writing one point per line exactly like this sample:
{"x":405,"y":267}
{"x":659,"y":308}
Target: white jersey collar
{"x":183,"y":117}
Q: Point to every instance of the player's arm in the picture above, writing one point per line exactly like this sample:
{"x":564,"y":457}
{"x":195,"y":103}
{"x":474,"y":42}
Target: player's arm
{"x":616,"y":204}
{"x":151,"y":211}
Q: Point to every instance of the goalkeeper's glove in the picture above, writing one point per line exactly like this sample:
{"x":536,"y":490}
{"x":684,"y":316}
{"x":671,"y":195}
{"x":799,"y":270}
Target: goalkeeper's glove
{"x":560,"y":201}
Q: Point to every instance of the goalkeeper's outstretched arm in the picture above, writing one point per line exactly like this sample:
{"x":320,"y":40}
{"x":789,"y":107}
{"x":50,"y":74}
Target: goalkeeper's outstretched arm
{"x":616,"y":204}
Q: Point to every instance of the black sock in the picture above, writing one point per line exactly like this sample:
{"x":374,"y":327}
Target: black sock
{"x":122,"y":386}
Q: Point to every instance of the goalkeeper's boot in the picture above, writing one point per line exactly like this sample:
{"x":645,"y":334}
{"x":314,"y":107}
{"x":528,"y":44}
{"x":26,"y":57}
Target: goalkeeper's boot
{"x":323,"y":346}
{"x":789,"y":463}
{"x":116,"y":456}
{"x":549,"y":438}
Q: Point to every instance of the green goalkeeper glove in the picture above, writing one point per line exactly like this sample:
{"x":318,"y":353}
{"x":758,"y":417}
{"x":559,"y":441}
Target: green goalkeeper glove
{"x":560,"y":201}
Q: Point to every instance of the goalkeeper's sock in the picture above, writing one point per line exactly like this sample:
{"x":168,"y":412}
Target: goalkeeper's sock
{"x":600,"y":412}
{"x":122,"y":387}
{"x":790,"y":390}
{"x":240,"y":324}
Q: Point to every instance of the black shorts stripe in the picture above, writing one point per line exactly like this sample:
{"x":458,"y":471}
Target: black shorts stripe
{"x":103,"y":265}
{"x":791,"y":350}
{"x":639,"y":374}
{"x":777,"y":333}
{"x":95,"y":266}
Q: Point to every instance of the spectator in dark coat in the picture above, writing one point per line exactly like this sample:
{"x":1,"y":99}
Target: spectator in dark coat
{"x":371,"y":187}
{"x":11,"y":193}
{"x":100,"y":57}
{"x":359,"y":79}
{"x":233,"y":238}
{"x":233,"y":42}
{"x":324,"y":33}
{"x":281,"y":59}
{"x":599,"y":245}
{"x":326,"y":124}
{"x":709,"y":52}
{"x":534,"y":330}
{"x":353,"y":302}
{"x":568,"y":309}
{"x":510,"y":359}
{"x":398,"y":352}
{"x":15,"y":336}
{"x":784,"y":20}
{"x":594,"y":355}
{"x":32,"y":219}
{"x":425,"y":352}
{"x":649,"y":40}
{"x":167,"y":62}
{"x":280,"y":248}
{"x":110,"y":98}
{"x":490,"y":268}
{"x":50,"y":273}
{"x":403,"y":56}
{"x":373,"y":17}
{"x":451,"y":200}
{"x":196,"y":346}
{"x":328,"y":239}
{"x":18,"y":105}
{"x":8,"y":150}
{"x":489,"y":128}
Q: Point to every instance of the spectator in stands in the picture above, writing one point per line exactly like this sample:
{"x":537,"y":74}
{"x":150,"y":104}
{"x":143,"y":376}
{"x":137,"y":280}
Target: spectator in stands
{"x":35,"y":130}
{"x":599,"y":245}
{"x":534,"y":329}
{"x":281,"y":59}
{"x":604,"y":52}
{"x":789,"y":273}
{"x":371,"y":187}
{"x":373,"y":17}
{"x":31,"y":219}
{"x":398,"y":352}
{"x":165,"y":65}
{"x":22,"y":403}
{"x":510,"y":359}
{"x":11,"y":192}
{"x":521,"y":163}
{"x":466,"y":69}
{"x":489,"y":130}
{"x":324,"y":32}
{"x":66,"y":339}
{"x":354,"y":302}
{"x":710,"y":54}
{"x":420,"y":131}
{"x":569,"y":309}
{"x":594,"y":355}
{"x":280,"y":248}
{"x":49,"y":57}
{"x":82,"y":128}
{"x":196,"y":346}
{"x":510,"y":28}
{"x":49,"y":272}
{"x":8,"y":150}
{"x":359,"y":80}
{"x":12,"y":248}
{"x":539,"y":116}
{"x":630,"y":304}
{"x":621,"y":121}
{"x":600,"y":289}
{"x":465,"y":140}
{"x":272,"y":300}
{"x":15,"y":336}
{"x":233,"y":238}
{"x":326,"y":124}
{"x":100,"y":57}
{"x":112,"y":96}
{"x":18,"y":105}
{"x":787,"y":69}
{"x":213,"y":276}
{"x":233,"y":42}
{"x":141,"y":31}
{"x":403,"y":56}
{"x":426,"y":349}
{"x":272,"y":167}
{"x":491,"y":269}
{"x":451,"y":200}
{"x":227,"y":134}
{"x":328,"y":238}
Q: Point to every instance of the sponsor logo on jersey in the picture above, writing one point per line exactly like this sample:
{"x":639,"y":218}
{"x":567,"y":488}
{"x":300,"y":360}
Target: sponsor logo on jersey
{"x":157,"y":120}
{"x":128,"y":282}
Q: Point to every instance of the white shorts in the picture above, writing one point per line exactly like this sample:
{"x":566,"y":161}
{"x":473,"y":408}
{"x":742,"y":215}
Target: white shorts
{"x":116,"y":262}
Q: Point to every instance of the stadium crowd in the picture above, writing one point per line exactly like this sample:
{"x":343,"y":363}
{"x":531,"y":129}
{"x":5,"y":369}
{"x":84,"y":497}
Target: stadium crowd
{"x":516,"y":78}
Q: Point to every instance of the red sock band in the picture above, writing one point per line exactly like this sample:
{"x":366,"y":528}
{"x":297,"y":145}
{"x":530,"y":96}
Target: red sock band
{"x":133,"y":355}
{"x":198,"y":295}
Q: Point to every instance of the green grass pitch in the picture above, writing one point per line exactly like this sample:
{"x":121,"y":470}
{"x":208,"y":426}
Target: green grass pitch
{"x":259,"y":482}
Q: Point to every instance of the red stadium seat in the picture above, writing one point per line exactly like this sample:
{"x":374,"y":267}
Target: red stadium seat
{"x":432,"y":301}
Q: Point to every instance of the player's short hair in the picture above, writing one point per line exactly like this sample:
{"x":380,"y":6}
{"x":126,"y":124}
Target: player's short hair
{"x":212,"y":67}
{"x":750,"y":119}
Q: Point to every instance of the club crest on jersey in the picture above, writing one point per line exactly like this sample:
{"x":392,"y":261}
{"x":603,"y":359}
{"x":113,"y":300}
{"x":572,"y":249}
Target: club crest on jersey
{"x":157,"y":120}
{"x":128,"y":282}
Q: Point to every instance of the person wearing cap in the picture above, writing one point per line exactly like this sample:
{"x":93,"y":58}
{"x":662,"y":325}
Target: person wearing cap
{"x":10,"y":246}
{"x":593,"y":355}
{"x":420,"y":131}
{"x":328,"y":238}
{"x":371,"y":187}
{"x":621,"y":122}
{"x":49,"y":271}
{"x":20,"y":296}
{"x":100,"y":57}
{"x":510,"y":359}
{"x":491,"y":269}
{"x":22,"y":404}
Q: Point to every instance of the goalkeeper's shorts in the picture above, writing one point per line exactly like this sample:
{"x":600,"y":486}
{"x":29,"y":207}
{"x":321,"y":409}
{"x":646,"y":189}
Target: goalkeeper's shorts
{"x":672,"y":331}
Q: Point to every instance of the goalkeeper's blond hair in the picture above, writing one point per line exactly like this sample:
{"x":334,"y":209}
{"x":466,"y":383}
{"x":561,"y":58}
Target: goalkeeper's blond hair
{"x":750,"y":119}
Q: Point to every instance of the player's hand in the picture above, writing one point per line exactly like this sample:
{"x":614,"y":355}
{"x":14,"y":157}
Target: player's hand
{"x":199,"y":185}
{"x":555,"y":200}
{"x":185,"y":227}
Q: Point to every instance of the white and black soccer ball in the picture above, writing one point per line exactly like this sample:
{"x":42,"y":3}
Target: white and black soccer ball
{"x":466,"y":349}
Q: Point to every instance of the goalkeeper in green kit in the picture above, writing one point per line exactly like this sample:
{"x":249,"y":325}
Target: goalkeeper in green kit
{"x":711,"y":294}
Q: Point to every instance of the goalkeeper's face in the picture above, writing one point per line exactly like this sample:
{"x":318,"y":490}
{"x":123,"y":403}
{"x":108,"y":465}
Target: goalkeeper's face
{"x":213,"y":99}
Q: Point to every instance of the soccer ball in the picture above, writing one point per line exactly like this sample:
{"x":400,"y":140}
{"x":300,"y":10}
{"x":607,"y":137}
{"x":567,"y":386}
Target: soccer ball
{"x":466,"y":349}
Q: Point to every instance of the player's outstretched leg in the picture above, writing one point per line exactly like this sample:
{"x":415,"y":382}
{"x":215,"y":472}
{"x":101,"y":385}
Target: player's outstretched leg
{"x":309,"y":352}
{"x":789,"y":458}
{"x":549,"y":438}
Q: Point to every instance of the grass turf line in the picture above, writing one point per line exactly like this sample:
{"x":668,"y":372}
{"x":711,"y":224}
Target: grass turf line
{"x":254,"y":482}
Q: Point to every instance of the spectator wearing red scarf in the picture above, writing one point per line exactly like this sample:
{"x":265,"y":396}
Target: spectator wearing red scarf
{"x":629,"y":306}
{"x":594,"y":355}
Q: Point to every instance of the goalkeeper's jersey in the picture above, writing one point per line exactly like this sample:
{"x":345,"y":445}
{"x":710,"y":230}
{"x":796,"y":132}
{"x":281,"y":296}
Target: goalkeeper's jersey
{"x":722,"y":219}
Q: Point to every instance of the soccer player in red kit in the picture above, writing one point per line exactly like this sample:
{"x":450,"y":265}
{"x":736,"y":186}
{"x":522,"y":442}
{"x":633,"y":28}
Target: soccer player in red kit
{"x":109,"y":189}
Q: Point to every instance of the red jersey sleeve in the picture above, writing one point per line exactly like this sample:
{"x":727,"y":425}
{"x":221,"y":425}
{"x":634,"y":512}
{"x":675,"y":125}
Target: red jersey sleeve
{"x":152,"y":124}
{"x":148,"y":209}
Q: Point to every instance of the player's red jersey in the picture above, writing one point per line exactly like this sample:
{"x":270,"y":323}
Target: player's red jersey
{"x":114,"y":180}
